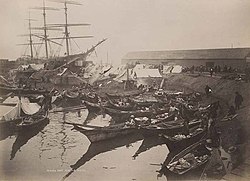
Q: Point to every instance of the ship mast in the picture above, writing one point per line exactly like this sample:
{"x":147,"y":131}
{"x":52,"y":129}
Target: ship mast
{"x":45,"y":30}
{"x":67,"y":25}
{"x":30,"y":38}
{"x":66,"y":28}
{"x":30,"y":35}
{"x":45,"y":27}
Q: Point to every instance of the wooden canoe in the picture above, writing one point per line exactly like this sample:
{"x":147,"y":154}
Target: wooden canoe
{"x":168,"y":128}
{"x":21,"y":91}
{"x":178,"y":143}
{"x":104,"y":133}
{"x":32,"y":122}
{"x":136,"y":113}
{"x":193,"y":157}
{"x":93,"y":107}
{"x":125,"y":94}
{"x":126,"y":107}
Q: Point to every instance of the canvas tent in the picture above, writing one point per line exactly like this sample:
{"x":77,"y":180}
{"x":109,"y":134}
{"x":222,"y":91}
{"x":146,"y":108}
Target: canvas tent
{"x":167,"y":69}
{"x":142,"y":73}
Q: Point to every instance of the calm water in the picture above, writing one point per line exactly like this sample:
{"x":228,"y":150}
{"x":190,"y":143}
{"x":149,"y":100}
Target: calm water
{"x":57,"y":153}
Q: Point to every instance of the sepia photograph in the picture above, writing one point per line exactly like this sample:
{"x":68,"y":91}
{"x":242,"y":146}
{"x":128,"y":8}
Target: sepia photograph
{"x":124,"y":90}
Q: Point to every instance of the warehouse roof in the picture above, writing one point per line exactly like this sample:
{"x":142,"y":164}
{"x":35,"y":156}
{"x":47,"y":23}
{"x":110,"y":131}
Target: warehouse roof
{"x":227,"y":53}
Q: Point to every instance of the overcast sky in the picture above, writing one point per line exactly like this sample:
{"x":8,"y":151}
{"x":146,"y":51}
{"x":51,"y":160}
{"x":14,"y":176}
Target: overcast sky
{"x":132,"y":25}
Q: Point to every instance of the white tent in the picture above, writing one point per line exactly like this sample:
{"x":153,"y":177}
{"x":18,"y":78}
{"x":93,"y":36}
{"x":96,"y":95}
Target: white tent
{"x":167,"y":69}
{"x":177,"y":69}
{"x":123,"y":75}
{"x":140,"y":73}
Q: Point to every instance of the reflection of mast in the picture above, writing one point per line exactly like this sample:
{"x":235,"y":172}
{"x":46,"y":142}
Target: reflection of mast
{"x":42,"y":144}
{"x":63,"y":143}
{"x":102,"y":147}
{"x":66,"y":25}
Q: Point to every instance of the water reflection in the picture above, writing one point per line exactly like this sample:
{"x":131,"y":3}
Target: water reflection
{"x":57,"y":146}
{"x":91,"y":116}
{"x":102,"y":147}
{"x":147,"y":144}
{"x":24,"y":136}
{"x":63,"y":142}
{"x":42,"y":142}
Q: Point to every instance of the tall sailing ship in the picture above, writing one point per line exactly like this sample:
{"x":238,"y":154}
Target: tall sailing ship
{"x":54,"y":61}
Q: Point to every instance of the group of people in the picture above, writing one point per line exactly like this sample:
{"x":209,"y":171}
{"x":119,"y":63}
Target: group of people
{"x":211,"y":70}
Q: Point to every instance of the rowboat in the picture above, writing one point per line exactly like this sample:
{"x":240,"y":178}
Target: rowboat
{"x":125,"y":94}
{"x":125,"y":107}
{"x":193,"y":157}
{"x":147,"y":100}
{"x":103,"y":133}
{"x":168,"y":128}
{"x":93,"y":107}
{"x":32,"y":122}
{"x":136,"y":113}
{"x":13,"y":114}
{"x":90,"y":97}
{"x":181,"y":141}
{"x":10,"y":116}
{"x":21,"y":91}
{"x":72,"y":95}
{"x":68,"y":109}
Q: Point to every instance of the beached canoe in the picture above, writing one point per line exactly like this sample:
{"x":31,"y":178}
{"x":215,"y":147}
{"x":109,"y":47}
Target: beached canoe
{"x":21,"y":91}
{"x":93,"y":107}
{"x":123,"y":107}
{"x":68,"y":109}
{"x":181,"y":141}
{"x":125,"y":94}
{"x":168,"y":128}
{"x":136,"y":113}
{"x":32,"y":122}
{"x":193,"y":157}
{"x":104,"y":133}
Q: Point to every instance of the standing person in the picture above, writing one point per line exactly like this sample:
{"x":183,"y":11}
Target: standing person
{"x":208,"y":90}
{"x":231,"y":111}
{"x":238,"y":100}
{"x":211,"y":72}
